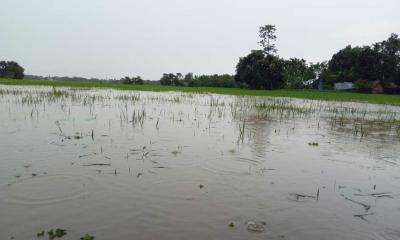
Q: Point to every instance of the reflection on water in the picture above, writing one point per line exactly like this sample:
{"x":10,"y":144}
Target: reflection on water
{"x":143,"y":165}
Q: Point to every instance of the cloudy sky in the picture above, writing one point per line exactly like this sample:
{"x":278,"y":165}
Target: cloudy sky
{"x":114,"y":38}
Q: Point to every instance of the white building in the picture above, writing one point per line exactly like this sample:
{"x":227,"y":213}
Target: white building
{"x":344,"y":86}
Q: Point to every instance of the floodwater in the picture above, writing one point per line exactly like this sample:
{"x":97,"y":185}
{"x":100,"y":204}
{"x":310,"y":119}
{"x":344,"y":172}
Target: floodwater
{"x":146,"y":165}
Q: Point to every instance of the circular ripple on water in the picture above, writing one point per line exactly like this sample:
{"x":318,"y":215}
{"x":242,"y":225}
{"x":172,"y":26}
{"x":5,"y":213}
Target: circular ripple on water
{"x":45,"y":189}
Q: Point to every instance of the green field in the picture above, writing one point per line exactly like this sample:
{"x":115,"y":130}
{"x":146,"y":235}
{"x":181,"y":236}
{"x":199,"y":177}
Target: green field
{"x":305,"y":94}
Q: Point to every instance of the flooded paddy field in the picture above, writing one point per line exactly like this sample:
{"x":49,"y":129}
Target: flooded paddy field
{"x":146,"y":165}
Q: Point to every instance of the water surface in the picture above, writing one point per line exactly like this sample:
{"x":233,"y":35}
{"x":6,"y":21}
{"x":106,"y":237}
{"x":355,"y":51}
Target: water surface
{"x":145,"y":165}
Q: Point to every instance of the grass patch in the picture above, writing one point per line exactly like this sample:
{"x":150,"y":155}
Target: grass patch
{"x":305,"y":94}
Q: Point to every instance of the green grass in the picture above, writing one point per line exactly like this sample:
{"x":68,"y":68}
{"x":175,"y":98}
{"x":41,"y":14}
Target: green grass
{"x":305,"y":94}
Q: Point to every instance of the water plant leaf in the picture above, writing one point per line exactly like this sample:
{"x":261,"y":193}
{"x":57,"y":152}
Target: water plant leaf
{"x":58,"y":233}
{"x":40,"y":234}
{"x":87,"y":237}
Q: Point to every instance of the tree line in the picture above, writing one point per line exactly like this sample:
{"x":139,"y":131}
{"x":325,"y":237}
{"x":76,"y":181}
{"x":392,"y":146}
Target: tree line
{"x":264,"y":69}
{"x":68,"y":79}
{"x":261,"y":69}
{"x":191,"y":80}
{"x":363,"y":65}
{"x":132,"y":80}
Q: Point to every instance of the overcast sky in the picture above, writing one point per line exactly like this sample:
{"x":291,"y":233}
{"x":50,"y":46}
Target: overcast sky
{"x":114,"y":38}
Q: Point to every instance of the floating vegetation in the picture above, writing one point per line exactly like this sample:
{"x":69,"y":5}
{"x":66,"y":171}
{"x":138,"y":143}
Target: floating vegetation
{"x":365,"y":206}
{"x":40,"y":234}
{"x":87,"y":237}
{"x":241,"y":131}
{"x":53,"y":233}
{"x":256,"y":227}
{"x":377,"y":195}
{"x":96,"y":164}
{"x":300,"y":197}
{"x":362,"y":216}
{"x":60,"y":233}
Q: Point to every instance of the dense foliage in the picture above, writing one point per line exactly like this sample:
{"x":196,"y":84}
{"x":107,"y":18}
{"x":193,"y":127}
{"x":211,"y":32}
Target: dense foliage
{"x":171,"y":79}
{"x":368,"y":66}
{"x":215,"y":80}
{"x":11,"y":70}
{"x":134,"y":80}
{"x":190,"y":80}
{"x":260,"y":71}
{"x":378,"y":62}
{"x":296,"y":72}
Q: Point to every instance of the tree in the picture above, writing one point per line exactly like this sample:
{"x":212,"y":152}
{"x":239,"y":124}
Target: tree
{"x":11,"y":69}
{"x":171,"y":79}
{"x":267,"y":35}
{"x":319,"y":68}
{"x":322,"y":74}
{"x":134,"y":80}
{"x":380,"y":61}
{"x":189,"y":77}
{"x":126,"y":80}
{"x":215,"y":80}
{"x":390,"y":58}
{"x":296,"y":72}
{"x":137,"y":80}
{"x":343,"y":64}
{"x":167,"y":79}
{"x":368,"y":66}
{"x":260,"y":71}
{"x":177,"y":81}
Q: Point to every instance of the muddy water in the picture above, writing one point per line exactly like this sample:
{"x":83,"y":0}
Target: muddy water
{"x":142,"y":165}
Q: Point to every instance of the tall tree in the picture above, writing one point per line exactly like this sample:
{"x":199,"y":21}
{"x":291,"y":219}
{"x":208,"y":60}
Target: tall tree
{"x":261,"y":69}
{"x":267,"y":35}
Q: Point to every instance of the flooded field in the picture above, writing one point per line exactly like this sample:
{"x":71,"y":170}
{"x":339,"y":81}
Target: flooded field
{"x":146,"y":165}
